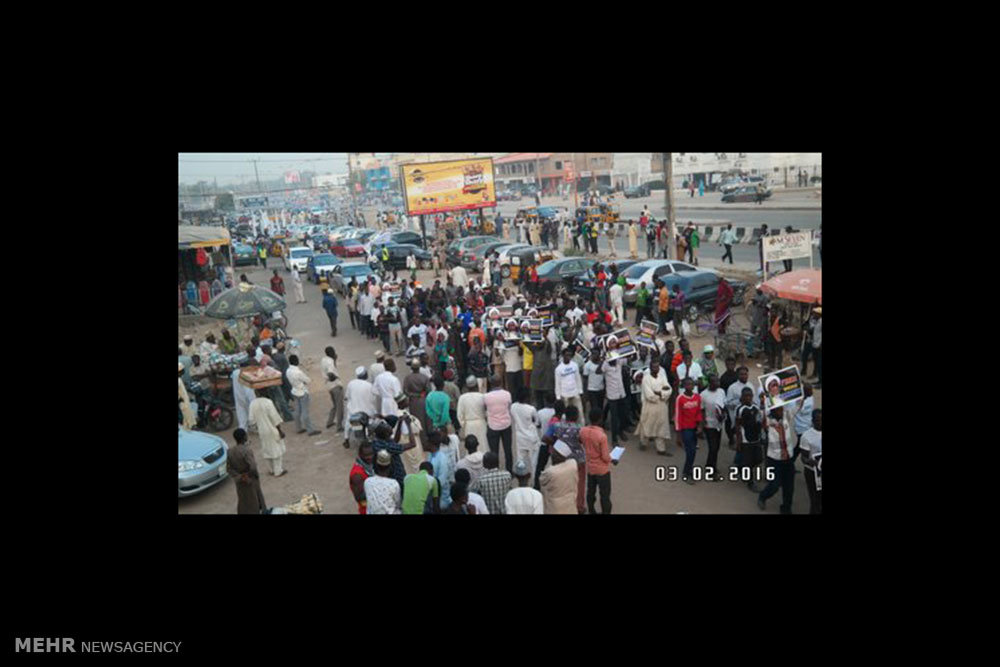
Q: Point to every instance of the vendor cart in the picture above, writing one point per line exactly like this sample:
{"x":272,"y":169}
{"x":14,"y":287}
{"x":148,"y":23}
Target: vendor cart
{"x":796,"y":293}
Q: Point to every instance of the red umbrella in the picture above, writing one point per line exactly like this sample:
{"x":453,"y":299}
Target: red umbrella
{"x":804,"y":285}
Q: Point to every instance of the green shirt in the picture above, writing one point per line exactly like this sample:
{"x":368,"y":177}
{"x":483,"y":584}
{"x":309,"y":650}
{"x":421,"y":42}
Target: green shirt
{"x":642,"y":298}
{"x":437,"y":403}
{"x":416,"y":488}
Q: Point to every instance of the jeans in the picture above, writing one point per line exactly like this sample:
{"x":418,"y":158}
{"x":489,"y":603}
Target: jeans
{"x":353,"y":314}
{"x":596,"y":400}
{"x":333,"y":324}
{"x":302,"y":419}
{"x":784,"y":476}
{"x":602,"y":482}
{"x":815,"y":497}
{"x":714,"y":437}
{"x":690,"y":439}
{"x":493,"y":439}
{"x":619,"y":418}
{"x":664,"y":318}
{"x":728,"y":253}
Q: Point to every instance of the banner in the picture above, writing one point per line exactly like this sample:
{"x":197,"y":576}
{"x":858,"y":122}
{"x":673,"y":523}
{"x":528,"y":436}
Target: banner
{"x":454,"y":185}
{"x":531,"y":330}
{"x":781,"y":387}
{"x":787,"y":246}
{"x":647,"y":334}
{"x":617,"y":345}
{"x":544,"y":313}
{"x":500,"y":312}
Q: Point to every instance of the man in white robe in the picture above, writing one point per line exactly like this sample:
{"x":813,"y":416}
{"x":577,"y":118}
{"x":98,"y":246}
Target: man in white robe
{"x":297,"y":282}
{"x":265,"y":417}
{"x":242,"y":396}
{"x":459,"y":277}
{"x":387,"y":388}
{"x":654,"y":422}
{"x":187,"y":412}
{"x":471,"y":412}
{"x":360,"y":397}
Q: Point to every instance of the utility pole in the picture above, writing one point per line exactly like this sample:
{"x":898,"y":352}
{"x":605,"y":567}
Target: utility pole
{"x":350,"y":186}
{"x":668,"y":179}
{"x":538,"y":178}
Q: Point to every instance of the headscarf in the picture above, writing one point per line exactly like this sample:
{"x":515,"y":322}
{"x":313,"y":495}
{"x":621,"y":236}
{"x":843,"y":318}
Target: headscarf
{"x":369,"y":468}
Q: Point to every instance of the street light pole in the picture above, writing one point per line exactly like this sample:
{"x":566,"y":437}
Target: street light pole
{"x":668,"y":178}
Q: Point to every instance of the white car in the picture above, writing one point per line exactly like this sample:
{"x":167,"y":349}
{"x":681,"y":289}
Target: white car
{"x":647,"y":271}
{"x":297,"y":259}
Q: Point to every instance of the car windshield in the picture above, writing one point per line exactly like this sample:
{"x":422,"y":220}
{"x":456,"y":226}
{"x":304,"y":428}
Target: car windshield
{"x":242,"y":248}
{"x":635,"y":271}
{"x":357,"y":270}
{"x":548,"y":266}
{"x":347,"y":242}
{"x":324,"y":260}
{"x":301,"y":252}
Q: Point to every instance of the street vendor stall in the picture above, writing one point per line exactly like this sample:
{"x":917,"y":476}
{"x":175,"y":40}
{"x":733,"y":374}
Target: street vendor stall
{"x":803,"y":287}
{"x":195,"y":247}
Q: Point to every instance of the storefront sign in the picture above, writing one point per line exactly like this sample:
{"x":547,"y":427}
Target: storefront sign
{"x":787,"y":246}
{"x":454,"y":185}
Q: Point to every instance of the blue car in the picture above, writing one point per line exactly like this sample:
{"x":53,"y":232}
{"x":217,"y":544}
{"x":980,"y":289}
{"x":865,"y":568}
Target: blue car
{"x":243,"y":254}
{"x":700,"y":288}
{"x":321,"y":265}
{"x":201,"y":461}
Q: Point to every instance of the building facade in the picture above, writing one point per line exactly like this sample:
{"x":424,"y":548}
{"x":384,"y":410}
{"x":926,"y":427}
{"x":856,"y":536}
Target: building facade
{"x":780,"y":169}
{"x":550,"y":170}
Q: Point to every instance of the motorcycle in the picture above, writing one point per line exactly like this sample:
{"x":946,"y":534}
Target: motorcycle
{"x":212,"y":413}
{"x":358,"y":432}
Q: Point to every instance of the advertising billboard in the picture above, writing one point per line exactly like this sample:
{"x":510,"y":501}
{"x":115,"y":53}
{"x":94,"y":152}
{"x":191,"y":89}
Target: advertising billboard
{"x":453,"y":185}
{"x":787,"y":246}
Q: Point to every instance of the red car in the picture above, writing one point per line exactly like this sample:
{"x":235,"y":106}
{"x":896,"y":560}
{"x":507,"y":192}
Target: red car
{"x":348,"y":248}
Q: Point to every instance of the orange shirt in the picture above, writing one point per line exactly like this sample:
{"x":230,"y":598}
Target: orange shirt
{"x":476,"y":332}
{"x":776,"y":329}
{"x":664,"y":299}
{"x":595,"y":444}
{"x":676,"y":361}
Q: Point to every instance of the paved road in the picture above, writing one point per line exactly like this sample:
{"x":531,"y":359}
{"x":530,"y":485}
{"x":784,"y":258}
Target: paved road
{"x":321,"y":464}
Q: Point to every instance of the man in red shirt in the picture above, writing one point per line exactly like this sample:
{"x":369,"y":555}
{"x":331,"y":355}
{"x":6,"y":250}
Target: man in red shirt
{"x":689,"y":421}
{"x":600,"y":283}
{"x":595,"y":443}
{"x":277,"y":284}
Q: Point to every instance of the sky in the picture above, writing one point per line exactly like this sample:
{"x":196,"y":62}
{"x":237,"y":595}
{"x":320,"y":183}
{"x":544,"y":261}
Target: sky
{"x":230,"y":167}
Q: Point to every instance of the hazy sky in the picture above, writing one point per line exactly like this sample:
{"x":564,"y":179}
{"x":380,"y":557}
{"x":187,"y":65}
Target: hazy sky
{"x":230,"y":167}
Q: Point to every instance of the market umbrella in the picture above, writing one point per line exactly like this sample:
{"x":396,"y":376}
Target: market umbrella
{"x":244,"y":300}
{"x":804,"y":285}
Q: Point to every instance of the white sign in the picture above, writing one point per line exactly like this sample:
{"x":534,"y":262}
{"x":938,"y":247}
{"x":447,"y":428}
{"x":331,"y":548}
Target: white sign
{"x":787,"y":246}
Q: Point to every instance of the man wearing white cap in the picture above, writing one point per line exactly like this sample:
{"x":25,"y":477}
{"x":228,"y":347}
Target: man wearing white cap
{"x":523,"y":499}
{"x":189,"y":347}
{"x":387,"y":387}
{"x":359,"y":396}
{"x":471,"y":412}
{"x":378,"y":367}
{"x":558,"y":482}
{"x":297,"y":283}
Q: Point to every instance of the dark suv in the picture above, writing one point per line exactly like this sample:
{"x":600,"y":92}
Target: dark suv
{"x":700,"y":288}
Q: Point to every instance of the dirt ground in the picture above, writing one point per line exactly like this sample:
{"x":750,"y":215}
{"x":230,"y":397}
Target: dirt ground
{"x":321,"y":464}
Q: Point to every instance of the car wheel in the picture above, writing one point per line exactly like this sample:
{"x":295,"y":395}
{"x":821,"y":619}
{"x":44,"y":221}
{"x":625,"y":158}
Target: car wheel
{"x":691,"y":314}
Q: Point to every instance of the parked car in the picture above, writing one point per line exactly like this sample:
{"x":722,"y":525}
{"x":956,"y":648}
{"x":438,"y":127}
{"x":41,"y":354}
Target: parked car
{"x":398,"y":252}
{"x":297,"y":258}
{"x":201,"y":461}
{"x":583,"y":284}
{"x":646,"y":271}
{"x":407,"y":237}
{"x":453,"y":252}
{"x":321,"y":242}
{"x":341,"y":232}
{"x":472,"y":258}
{"x":348,"y":248}
{"x":340,"y":275}
{"x":561,"y":272}
{"x":700,"y":288}
{"x":743,"y":194}
{"x":321,"y":265}
{"x":244,"y":254}
{"x":636,"y":191}
{"x":731,"y":184}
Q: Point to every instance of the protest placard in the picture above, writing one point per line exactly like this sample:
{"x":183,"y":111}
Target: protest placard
{"x":647,"y":334}
{"x":500,"y":312}
{"x":531,"y":330}
{"x":511,"y":333}
{"x":781,"y":387}
{"x":617,"y":345}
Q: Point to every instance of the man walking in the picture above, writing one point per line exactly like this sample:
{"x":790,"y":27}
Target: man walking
{"x":568,"y":433}
{"x":526,"y":425}
{"x":713,"y":402}
{"x":568,"y":382}
{"x":779,"y":458}
{"x":558,"y":483}
{"x":493,"y":484}
{"x":688,"y":422}
{"x":264,"y":416}
{"x":335,"y":386}
{"x":299,"y":380}
{"x":277,"y":284}
{"x":330,"y":306}
{"x":242,"y":467}
{"x":811,"y":448}
{"x":595,"y":444}
{"x":297,"y":283}
{"x":726,"y":239}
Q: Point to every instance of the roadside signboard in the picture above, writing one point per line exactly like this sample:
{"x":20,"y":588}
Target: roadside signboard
{"x":453,"y":185}
{"x":788,"y":246}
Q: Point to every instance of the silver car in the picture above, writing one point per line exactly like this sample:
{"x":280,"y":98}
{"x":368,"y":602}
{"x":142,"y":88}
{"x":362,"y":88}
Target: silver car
{"x":201,"y":461}
{"x":647,"y":271}
{"x":341,"y":275}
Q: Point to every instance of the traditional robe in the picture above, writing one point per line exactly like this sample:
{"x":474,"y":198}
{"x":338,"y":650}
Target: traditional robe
{"x":249,"y":497}
{"x":265,"y":417}
{"x":360,"y":397}
{"x":654,"y":422}
{"x":190,"y":420}
{"x":416,"y":386}
{"x":471,"y":414}
{"x":633,"y":242}
{"x":559,"y":486}
{"x":241,"y":397}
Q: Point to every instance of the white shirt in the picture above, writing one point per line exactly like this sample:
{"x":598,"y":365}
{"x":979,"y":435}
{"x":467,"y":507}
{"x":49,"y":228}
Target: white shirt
{"x":812,"y":442}
{"x":615,"y":293}
{"x":298,"y":379}
{"x":568,"y":381}
{"x":365,"y":302}
{"x":411,"y":262}
{"x":526,"y":424}
{"x":328,"y":365}
{"x":575,"y":314}
{"x":388,"y":387}
{"x":524,"y":500}
{"x":375,"y":370}
{"x":712,"y":402}
{"x":512,"y":359}
{"x":360,"y":397}
{"x":544,"y":415}
{"x":733,"y":397}
{"x":774,"y":439}
{"x":426,"y":370}
{"x":694,"y":374}
{"x":479,"y":503}
{"x":383,"y":495}
{"x":296,"y":277}
{"x":595,"y":381}
{"x":459,"y":277}
{"x":418,"y":331}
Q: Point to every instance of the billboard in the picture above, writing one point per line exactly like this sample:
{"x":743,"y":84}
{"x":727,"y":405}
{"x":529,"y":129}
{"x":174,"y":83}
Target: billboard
{"x":453,"y":185}
{"x":292,"y":177}
{"x":787,"y":246}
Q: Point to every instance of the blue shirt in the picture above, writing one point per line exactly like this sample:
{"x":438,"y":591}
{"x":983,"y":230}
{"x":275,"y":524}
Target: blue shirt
{"x":466,"y":318}
{"x":330,"y":304}
{"x":803,"y":417}
{"x":444,"y":471}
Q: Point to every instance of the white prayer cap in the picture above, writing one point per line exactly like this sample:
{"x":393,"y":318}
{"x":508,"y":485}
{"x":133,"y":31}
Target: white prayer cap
{"x":563,"y":448}
{"x":469,"y":381}
{"x":379,"y":354}
{"x":360,"y":371}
